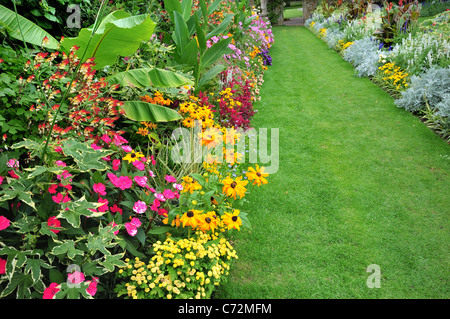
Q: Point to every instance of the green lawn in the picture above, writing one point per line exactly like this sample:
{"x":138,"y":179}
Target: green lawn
{"x":292,"y":12}
{"x":360,"y":182}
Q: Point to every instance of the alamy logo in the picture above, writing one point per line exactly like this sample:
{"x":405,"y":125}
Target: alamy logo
{"x":251,"y":145}
{"x":73,"y":20}
{"x":373,"y":281}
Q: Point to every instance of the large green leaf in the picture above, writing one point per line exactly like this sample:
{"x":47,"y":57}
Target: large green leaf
{"x":145,"y":77}
{"x":208,"y":76}
{"x":16,"y":26}
{"x":221,"y":27}
{"x":215,"y":52}
{"x":143,"y":111}
{"x":181,"y":34}
{"x":119,"y":34}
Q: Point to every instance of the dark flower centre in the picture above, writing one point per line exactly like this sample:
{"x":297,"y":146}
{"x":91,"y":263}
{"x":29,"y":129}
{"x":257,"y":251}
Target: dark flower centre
{"x":190,"y":214}
{"x":258,"y":174}
{"x":208,"y":220}
{"x":133,"y":155}
{"x":234,"y":218}
{"x":233,"y":185}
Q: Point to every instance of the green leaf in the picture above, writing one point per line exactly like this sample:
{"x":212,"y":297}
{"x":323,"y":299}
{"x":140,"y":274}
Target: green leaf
{"x":119,"y":34}
{"x":67,"y":248}
{"x":35,"y":147}
{"x":199,"y":178}
{"x":56,"y":276}
{"x":112,"y":261}
{"x":181,"y":34}
{"x":160,"y":230}
{"x":78,"y":208}
{"x":18,"y":279}
{"x":33,"y":266}
{"x":39,"y":170}
{"x":143,"y":111}
{"x":146,"y":77}
{"x":214,"y":53}
{"x":208,"y":76}
{"x":221,"y":27}
{"x":85,"y":156}
{"x":16,"y":26}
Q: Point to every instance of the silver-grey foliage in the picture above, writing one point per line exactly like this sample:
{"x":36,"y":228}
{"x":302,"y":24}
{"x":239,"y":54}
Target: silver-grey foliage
{"x":363,"y":54}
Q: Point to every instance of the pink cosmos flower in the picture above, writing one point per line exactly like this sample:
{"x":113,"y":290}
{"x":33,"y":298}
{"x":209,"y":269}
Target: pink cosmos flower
{"x":100,"y":188}
{"x":140,"y":207}
{"x":170,"y":179}
{"x":153,"y":160}
{"x":133,"y":226}
{"x":155,"y":205}
{"x":61,"y":163}
{"x":119,"y":140}
{"x":115,"y":209}
{"x":104,"y":207}
{"x":105,"y":138}
{"x":127,"y":148}
{"x":178,"y":186}
{"x":60,"y":198}
{"x":115,"y":164}
{"x":65,"y":176}
{"x":151,"y":174}
{"x":92,"y":289}
{"x":50,"y":291}
{"x":13,"y":175}
{"x":54,"y":222}
{"x":52,"y":188}
{"x":2,"y":266}
{"x":139,"y":165}
{"x":162,"y":212}
{"x":4,"y":222}
{"x":76,"y":277}
{"x":160,"y":197}
{"x":122,"y":182}
{"x":141,"y":181}
{"x":13,"y":163}
{"x":95,"y":146}
{"x":1,"y":180}
{"x":59,"y":150}
{"x":168,"y":194}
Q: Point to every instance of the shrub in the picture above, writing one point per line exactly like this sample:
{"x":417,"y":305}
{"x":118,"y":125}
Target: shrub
{"x":363,"y":55}
{"x":431,"y":87}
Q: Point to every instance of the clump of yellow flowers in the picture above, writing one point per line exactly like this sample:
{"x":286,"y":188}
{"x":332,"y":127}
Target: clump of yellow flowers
{"x":179,"y":269}
{"x":344,"y":45}
{"x":322,"y":33}
{"x":393,"y":76}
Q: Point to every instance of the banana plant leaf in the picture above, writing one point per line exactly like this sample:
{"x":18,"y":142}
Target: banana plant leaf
{"x":146,"y":112}
{"x":119,"y":34}
{"x":145,"y":77}
{"x":23,"y":29}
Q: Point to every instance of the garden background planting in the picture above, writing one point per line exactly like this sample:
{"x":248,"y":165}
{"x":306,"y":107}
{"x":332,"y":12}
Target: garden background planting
{"x":407,"y":53}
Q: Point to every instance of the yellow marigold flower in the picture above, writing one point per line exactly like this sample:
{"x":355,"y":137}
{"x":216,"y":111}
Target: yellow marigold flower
{"x":232,"y":220}
{"x":133,"y":156}
{"x":257,"y":175}
{"x":190,"y":185}
{"x":211,"y":137}
{"x":232,"y":187}
{"x":190,"y":218}
{"x":208,"y":221}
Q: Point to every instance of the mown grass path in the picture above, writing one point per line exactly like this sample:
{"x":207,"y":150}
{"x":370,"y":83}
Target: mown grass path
{"x":360,"y":182}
